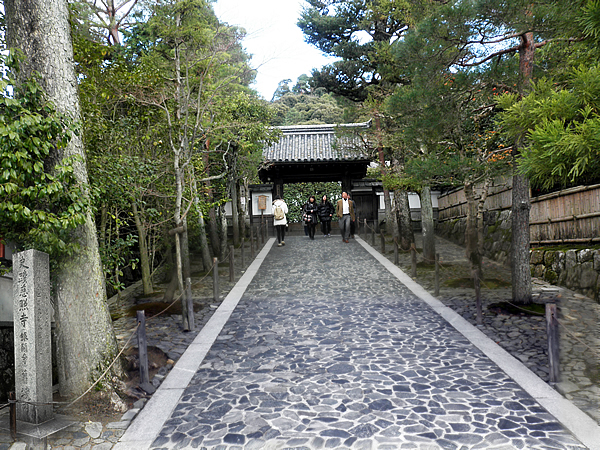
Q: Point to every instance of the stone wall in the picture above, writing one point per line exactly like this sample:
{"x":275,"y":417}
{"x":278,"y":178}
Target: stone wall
{"x":496,"y":230}
{"x":578,"y":270}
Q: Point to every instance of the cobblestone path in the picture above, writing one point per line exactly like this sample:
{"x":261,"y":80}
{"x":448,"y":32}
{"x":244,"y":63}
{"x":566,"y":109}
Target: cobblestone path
{"x":327,"y":350}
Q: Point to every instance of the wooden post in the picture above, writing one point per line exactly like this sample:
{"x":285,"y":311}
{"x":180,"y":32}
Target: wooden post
{"x":251,"y":242}
{"x":437,"y":275}
{"x":13,"y":414}
{"x":242,"y":248}
{"x":231,"y":262}
{"x":396,"y":257}
{"x":382,"y":242}
{"x":262,"y":232}
{"x":477,"y":285}
{"x":553,"y":342}
{"x":413,"y":254}
{"x":216,"y":279}
{"x":190,"y":304}
{"x":373,"y":235}
{"x":142,"y":347}
{"x":365,"y":228}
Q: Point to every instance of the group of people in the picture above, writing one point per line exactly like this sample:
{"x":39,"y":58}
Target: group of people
{"x":313,"y":212}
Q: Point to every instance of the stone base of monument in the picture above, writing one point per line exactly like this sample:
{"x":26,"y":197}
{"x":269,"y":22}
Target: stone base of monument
{"x":36,"y":433}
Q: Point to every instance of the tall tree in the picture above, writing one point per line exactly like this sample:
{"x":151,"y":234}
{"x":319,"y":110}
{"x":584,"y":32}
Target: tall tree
{"x":107,"y":16}
{"x":360,"y":33}
{"x":201,"y":72}
{"x":559,"y":118}
{"x":86,"y":341}
{"x":485,"y":33}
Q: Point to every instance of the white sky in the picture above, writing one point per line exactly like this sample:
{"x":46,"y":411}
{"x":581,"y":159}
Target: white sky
{"x":273,"y":39}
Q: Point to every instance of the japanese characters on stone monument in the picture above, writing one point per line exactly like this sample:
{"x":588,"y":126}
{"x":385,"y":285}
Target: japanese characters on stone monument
{"x":33,"y":355}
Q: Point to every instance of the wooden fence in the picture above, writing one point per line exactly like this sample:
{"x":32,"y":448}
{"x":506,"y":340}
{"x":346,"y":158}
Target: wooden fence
{"x":568,"y":216}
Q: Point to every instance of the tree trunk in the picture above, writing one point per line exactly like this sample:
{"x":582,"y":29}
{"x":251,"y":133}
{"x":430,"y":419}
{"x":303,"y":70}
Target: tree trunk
{"x":185,"y":251}
{"x":390,"y":215}
{"x":204,"y":250}
{"x":520,"y":270}
{"x":406,"y":233}
{"x":86,"y":340}
{"x":173,"y":282}
{"x":144,"y":253}
{"x":213,"y":230}
{"x":223,"y":233}
{"x":472,"y":244}
{"x":480,"y":211}
{"x":427,"y":225}
{"x":241,"y":212}
{"x":234,"y":212}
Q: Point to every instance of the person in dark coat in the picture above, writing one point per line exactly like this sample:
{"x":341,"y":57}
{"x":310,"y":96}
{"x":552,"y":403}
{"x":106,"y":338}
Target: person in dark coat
{"x":325,"y":211}
{"x":310,"y":216}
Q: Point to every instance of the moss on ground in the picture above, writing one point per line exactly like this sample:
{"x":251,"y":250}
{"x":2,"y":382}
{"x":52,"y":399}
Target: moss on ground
{"x":467,"y":282}
{"x":508,"y":308}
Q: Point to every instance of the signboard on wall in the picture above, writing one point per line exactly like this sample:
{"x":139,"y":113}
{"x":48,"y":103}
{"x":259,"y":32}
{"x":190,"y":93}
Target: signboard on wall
{"x":256,"y":211}
{"x":262,"y":202}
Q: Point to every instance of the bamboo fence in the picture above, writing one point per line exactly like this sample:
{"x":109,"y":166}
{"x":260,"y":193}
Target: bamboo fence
{"x":567,"y":216}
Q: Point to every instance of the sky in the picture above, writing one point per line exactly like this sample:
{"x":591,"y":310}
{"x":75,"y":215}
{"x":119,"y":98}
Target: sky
{"x":273,"y":39}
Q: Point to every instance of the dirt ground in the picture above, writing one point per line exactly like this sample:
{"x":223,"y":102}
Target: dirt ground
{"x":97,"y":405}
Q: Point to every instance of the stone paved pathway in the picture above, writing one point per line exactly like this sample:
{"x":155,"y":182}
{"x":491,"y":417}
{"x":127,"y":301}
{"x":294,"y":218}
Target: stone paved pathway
{"x":578,"y":368}
{"x":327,"y":350}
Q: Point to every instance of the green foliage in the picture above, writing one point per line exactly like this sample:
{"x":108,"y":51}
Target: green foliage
{"x":296,"y":195}
{"x":590,"y":19}
{"x":561,"y":126}
{"x":306,"y":109}
{"x":359,"y":33}
{"x":41,"y":202}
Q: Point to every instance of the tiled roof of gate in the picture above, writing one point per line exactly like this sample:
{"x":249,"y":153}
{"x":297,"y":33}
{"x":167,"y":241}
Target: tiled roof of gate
{"x":303,"y":143}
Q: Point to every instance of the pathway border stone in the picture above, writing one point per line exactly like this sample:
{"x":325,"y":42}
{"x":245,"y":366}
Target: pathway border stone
{"x":576,"y":421}
{"x":148,"y":423}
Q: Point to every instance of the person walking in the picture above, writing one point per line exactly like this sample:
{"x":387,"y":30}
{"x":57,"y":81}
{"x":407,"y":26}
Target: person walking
{"x":344,"y":209}
{"x":280,"y":210}
{"x":353,"y":223}
{"x":310,"y":216}
{"x":325,"y":212}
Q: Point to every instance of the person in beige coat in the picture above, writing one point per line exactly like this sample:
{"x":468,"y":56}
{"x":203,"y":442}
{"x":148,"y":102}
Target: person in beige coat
{"x":279,"y":206}
{"x":344,"y":209}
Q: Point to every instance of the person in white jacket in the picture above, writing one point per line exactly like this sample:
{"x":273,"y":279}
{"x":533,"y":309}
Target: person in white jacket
{"x":280,"y":210}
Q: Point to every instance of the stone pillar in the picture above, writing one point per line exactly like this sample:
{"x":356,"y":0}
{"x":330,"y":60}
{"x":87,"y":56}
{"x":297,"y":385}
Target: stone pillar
{"x":33,"y":352}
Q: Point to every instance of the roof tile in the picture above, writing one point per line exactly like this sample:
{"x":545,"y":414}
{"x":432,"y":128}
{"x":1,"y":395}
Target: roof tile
{"x":301,"y":143}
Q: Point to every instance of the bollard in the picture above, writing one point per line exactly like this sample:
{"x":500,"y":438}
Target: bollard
{"x":396,"y":258}
{"x":216,"y":279}
{"x":413,"y":254}
{"x":373,"y":235}
{"x":251,"y":242}
{"x":382,"y":243}
{"x":365,"y":227}
{"x":142,"y":347}
{"x":553,"y":342}
{"x":231,"y":262}
{"x":437,"y":275}
{"x":242,"y":256}
{"x":13,"y":415}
